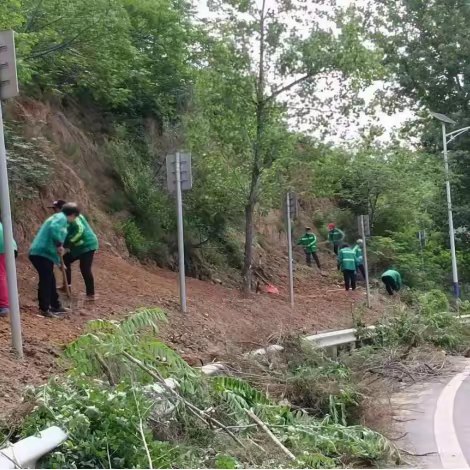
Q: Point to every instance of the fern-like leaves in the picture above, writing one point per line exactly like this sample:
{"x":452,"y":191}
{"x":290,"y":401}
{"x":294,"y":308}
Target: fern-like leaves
{"x":239,"y":395}
{"x":142,"y":319}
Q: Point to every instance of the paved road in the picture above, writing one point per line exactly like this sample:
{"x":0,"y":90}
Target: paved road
{"x":436,"y":418}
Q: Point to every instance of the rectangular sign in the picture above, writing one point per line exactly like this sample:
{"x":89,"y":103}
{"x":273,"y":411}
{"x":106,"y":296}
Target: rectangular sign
{"x":8,"y":77}
{"x":366,"y":225}
{"x":185,"y":171}
{"x":292,"y":198}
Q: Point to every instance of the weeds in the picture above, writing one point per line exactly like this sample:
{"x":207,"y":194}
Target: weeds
{"x":297,"y":409}
{"x":116,"y":415}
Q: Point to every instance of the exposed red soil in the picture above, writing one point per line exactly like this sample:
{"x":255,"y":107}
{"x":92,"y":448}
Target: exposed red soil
{"x":217,"y":316}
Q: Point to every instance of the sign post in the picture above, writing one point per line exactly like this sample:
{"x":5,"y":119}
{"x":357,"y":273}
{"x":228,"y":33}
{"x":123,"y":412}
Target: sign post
{"x":365,"y":231}
{"x":9,"y":89}
{"x":179,"y":178}
{"x":291,"y":208}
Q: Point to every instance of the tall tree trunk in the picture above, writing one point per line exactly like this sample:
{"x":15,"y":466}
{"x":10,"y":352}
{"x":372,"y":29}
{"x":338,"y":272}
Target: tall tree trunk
{"x":256,"y":169}
{"x":252,"y":200}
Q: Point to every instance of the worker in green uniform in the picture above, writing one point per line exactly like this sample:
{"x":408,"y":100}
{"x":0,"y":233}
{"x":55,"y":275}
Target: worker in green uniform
{"x":360,"y":259}
{"x":46,"y":250}
{"x":347,"y":262}
{"x":392,"y":281}
{"x":309,"y":242}
{"x":81,"y":244}
{"x":335,"y":236}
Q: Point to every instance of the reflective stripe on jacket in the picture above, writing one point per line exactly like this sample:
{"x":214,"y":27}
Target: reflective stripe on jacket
{"x":347,"y":259}
{"x":309,"y":242}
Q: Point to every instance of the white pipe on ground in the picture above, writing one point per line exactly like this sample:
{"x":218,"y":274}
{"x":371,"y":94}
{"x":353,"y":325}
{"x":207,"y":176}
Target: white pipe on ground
{"x":25,"y":453}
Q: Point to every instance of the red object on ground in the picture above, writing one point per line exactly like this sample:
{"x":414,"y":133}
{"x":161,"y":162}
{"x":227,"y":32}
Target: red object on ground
{"x":272,"y":289}
{"x":3,"y":282}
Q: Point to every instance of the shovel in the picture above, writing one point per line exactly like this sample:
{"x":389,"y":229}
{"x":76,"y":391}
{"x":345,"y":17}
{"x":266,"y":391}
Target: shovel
{"x":64,"y":276}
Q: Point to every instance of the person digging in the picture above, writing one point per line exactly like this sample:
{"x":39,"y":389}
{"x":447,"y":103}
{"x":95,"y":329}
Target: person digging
{"x":335,"y":237}
{"x":392,"y":281}
{"x":45,"y":252}
{"x":81,"y":244}
{"x":309,"y":244}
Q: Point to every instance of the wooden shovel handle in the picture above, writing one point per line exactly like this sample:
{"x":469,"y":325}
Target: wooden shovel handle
{"x":64,"y":275}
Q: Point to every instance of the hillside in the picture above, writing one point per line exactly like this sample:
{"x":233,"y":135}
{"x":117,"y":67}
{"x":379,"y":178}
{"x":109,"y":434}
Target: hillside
{"x":218,"y":317}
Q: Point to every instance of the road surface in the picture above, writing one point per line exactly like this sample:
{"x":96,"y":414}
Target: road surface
{"x":436,"y":419}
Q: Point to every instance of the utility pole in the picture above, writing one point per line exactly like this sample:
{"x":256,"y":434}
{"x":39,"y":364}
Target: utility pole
{"x":455,"y":276}
{"x":179,"y":204}
{"x":289,"y":245}
{"x":9,"y":89}
{"x":366,"y":266}
{"x":179,"y":178}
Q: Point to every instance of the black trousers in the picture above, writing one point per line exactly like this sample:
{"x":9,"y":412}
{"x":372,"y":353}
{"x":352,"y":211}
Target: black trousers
{"x":86,"y":261}
{"x":47,"y":292}
{"x":309,"y":257}
{"x":362,"y":270}
{"x":336,"y":248}
{"x":349,"y":279}
{"x":389,"y":284}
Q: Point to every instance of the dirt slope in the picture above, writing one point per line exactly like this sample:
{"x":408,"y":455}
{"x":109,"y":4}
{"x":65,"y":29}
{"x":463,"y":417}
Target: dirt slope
{"x":217,"y":316}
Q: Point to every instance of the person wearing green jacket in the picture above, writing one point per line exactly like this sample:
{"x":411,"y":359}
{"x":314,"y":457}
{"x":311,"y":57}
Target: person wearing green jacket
{"x":347,"y":261}
{"x":4,"y":303}
{"x":81,"y":244}
{"x":360,"y":259}
{"x":45,"y":252}
{"x":309,"y":242}
{"x":392,"y":281}
{"x":336,"y":237}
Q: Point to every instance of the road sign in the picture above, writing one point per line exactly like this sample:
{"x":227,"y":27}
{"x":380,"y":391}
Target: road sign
{"x":8,"y":77}
{"x":290,"y":205}
{"x":185,"y":171}
{"x":422,"y":238}
{"x":366,"y":225}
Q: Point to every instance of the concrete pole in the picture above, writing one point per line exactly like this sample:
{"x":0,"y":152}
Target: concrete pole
{"x":179,"y":208}
{"x":15,"y":319}
{"x":455,"y":277}
{"x":366,"y":266}
{"x":289,"y":245}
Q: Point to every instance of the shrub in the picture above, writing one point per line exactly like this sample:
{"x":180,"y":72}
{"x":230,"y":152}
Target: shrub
{"x":103,"y":425}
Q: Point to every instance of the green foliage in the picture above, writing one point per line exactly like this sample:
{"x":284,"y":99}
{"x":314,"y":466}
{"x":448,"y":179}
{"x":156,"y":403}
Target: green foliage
{"x":325,"y":388}
{"x":226,"y":461}
{"x":239,"y":396}
{"x":111,"y":53}
{"x":30,"y":162}
{"x":429,"y":322}
{"x":137,"y":335}
{"x":103,"y":425}
{"x":110,"y":424}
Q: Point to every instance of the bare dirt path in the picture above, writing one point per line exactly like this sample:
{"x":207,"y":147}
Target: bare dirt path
{"x":217,"y":316}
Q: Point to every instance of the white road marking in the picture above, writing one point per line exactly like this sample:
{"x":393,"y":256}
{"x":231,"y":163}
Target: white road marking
{"x":448,"y":446}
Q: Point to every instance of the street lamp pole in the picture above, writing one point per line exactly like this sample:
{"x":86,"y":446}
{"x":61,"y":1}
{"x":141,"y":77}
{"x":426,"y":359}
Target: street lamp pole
{"x":455,"y":276}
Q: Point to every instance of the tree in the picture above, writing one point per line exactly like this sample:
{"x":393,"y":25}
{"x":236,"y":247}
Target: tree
{"x":427,"y":55}
{"x":272,"y":59}
{"x":130,"y":57}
